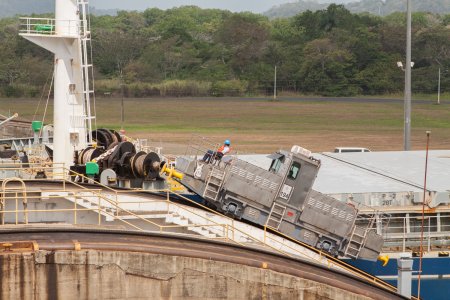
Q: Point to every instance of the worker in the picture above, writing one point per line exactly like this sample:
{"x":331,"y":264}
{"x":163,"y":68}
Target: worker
{"x":226,"y":148}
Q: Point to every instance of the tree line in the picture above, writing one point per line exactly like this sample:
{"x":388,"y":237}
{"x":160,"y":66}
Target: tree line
{"x":189,"y":51}
{"x":376,"y":7}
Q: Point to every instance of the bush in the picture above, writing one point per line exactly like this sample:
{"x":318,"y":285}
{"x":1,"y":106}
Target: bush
{"x":169,"y":88}
{"x":184,"y":88}
{"x":229,"y":88}
{"x":13,"y":91}
{"x":107,"y":87}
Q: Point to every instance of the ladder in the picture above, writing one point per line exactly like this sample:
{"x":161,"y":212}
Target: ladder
{"x":214,"y":183}
{"x":276,"y":215}
{"x":356,"y":242}
{"x":86,"y":65}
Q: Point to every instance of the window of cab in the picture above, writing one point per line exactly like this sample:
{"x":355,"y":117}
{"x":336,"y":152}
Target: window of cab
{"x":277,"y":161}
{"x":293,"y":172}
{"x":276,"y":164}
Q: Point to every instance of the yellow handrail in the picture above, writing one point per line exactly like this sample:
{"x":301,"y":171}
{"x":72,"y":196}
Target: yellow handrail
{"x":229,"y":229}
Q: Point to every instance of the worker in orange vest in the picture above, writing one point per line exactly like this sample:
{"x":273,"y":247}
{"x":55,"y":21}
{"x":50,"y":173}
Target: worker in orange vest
{"x":226,"y":148}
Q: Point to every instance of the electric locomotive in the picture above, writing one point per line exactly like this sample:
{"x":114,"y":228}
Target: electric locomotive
{"x":282,"y":198}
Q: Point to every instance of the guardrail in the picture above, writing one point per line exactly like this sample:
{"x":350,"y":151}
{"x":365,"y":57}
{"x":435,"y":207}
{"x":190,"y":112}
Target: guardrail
{"x":47,"y":26}
{"x":405,"y":231}
{"x":107,"y":203}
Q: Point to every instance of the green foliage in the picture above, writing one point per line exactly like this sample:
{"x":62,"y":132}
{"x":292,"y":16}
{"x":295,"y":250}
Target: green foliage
{"x":184,"y":88}
{"x":446,"y":20}
{"x":189,"y":51}
{"x":229,"y":88}
{"x":362,"y":6}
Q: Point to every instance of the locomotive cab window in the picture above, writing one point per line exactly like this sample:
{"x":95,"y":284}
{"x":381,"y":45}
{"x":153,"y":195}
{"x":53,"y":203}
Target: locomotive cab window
{"x":277,"y":161}
{"x":293,"y":172}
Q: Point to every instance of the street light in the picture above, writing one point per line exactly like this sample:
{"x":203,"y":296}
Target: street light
{"x":407,"y":124}
{"x":400,"y":65}
{"x":439,"y":81}
{"x":439,"y":86}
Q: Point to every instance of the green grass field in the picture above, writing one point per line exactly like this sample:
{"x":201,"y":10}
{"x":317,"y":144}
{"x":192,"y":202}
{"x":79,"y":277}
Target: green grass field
{"x":261,"y":126}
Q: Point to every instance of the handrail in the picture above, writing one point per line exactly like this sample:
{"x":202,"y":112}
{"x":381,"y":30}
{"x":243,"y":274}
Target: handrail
{"x":232,"y":233}
{"x":24,"y":200}
{"x":229,"y":229}
{"x":93,"y":181}
{"x":48,"y":26}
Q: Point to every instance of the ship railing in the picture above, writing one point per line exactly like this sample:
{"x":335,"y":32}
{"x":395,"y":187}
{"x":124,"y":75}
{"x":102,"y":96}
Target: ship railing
{"x":102,"y":203}
{"x":50,"y":27}
{"x":199,"y":146}
{"x":371,"y":219}
{"x":404,"y":232}
{"x":229,"y":232}
{"x":33,"y":170}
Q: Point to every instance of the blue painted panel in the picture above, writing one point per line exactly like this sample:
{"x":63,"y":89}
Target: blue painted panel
{"x":430,"y":266}
{"x":435,"y":289}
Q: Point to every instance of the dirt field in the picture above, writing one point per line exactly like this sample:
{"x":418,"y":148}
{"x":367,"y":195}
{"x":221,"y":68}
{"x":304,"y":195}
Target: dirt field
{"x":261,"y":126}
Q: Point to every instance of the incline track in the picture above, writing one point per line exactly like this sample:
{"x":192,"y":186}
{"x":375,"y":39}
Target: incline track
{"x":114,"y":236}
{"x":57,"y":239}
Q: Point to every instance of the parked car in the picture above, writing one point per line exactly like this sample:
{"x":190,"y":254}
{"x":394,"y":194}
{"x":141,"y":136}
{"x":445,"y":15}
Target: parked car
{"x":350,"y":149}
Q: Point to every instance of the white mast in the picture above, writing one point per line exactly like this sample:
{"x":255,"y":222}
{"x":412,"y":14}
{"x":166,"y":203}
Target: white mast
{"x":67,"y":36}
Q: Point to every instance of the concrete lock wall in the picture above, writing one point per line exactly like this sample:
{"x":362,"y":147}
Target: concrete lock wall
{"x":125,"y":275}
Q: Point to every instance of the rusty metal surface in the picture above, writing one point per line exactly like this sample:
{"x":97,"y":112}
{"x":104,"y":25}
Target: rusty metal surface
{"x":176,"y":245}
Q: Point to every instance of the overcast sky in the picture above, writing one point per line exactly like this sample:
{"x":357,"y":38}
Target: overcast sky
{"x":233,"y":5}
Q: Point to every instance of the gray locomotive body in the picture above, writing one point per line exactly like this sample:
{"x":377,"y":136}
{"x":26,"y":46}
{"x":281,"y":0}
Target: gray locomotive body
{"x":282,"y":198}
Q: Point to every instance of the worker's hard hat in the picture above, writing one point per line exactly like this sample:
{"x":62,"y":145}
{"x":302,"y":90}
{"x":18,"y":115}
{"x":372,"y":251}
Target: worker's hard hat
{"x":227,"y":142}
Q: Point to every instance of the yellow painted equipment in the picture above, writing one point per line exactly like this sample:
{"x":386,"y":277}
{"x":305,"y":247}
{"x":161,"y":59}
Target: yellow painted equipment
{"x":175,"y":186}
{"x":384,"y":259}
{"x":170,"y":172}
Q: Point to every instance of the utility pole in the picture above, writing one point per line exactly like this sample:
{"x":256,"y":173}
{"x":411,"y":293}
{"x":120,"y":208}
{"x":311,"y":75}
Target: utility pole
{"x":275,"y":84}
{"x":439,"y":86}
{"x":122,"y":108}
{"x":407,"y":126}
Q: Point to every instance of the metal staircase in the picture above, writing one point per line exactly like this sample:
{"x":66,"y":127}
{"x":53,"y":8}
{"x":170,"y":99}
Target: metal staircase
{"x":276,"y":215}
{"x":214,"y":183}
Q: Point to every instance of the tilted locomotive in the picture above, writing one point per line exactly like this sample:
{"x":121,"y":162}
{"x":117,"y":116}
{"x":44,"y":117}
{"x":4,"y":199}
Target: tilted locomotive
{"x":282,"y":198}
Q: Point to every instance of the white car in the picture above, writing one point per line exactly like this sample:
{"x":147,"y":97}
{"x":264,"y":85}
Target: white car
{"x":350,"y":149}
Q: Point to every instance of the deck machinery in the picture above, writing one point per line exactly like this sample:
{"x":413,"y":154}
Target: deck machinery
{"x":282,"y":198}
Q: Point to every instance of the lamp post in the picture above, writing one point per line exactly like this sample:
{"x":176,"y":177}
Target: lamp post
{"x":407,"y":109}
{"x":400,"y":65}
{"x":439,"y":87}
{"x":275,"y":84}
{"x":407,"y":106}
{"x":439,"y":81}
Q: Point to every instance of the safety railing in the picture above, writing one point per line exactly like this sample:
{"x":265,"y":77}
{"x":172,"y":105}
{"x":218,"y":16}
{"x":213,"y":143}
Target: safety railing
{"x":404,"y":232}
{"x":199,"y":145}
{"x":47,"y":26}
{"x":398,"y":235}
{"x":111,"y":207}
{"x":33,"y":170}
